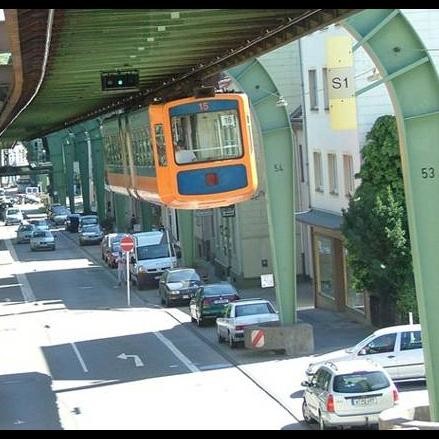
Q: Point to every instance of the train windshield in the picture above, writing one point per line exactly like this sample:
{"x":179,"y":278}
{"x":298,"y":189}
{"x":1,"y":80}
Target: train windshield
{"x":206,"y":131}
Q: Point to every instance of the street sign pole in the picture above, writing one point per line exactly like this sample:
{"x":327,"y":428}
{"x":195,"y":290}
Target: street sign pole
{"x":127,"y":255}
{"x":126,"y":245}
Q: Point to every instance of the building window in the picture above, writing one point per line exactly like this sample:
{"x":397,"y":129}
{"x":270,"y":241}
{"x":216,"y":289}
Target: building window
{"x":332,"y":173}
{"x":302,"y":172}
{"x":325,"y":88}
{"x":326,"y":272}
{"x":348,"y":170}
{"x":313,"y":96}
{"x":318,"y":177}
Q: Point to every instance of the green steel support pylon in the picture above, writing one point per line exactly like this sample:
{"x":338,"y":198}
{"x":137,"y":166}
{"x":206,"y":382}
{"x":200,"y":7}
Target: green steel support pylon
{"x":186,"y":235}
{"x":69,"y":154}
{"x":55,"y":143}
{"x":82,"y":155}
{"x":279,"y":170}
{"x":97,"y":153}
{"x":412,"y":81}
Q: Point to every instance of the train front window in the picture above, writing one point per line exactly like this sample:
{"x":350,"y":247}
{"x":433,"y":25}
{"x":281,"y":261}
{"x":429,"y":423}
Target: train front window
{"x":206,"y":131}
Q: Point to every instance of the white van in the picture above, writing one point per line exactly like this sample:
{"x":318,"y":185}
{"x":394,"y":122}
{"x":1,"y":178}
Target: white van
{"x":152,"y":255}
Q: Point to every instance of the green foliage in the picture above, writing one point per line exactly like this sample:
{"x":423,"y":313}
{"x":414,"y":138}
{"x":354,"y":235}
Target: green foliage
{"x":375,"y":225}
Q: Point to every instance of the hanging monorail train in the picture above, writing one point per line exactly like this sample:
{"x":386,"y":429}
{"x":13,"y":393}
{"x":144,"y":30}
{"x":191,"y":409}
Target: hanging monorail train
{"x":191,"y":153}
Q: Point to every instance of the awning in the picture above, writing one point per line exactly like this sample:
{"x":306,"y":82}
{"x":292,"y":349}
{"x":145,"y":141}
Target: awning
{"x":320,"y":218}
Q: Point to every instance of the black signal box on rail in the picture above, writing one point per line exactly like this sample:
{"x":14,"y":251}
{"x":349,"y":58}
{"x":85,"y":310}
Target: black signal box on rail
{"x":120,"y":80}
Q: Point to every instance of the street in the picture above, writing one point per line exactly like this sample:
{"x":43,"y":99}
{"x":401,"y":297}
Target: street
{"x":77,"y":357}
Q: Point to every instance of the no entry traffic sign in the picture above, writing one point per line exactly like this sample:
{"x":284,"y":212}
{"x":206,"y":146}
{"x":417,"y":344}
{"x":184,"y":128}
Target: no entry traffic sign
{"x":127,"y":243}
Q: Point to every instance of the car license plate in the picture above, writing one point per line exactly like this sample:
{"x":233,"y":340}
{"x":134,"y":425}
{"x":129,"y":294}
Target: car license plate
{"x":364,"y":401}
{"x":219,"y":301}
{"x":157,"y":277}
{"x":185,"y":296}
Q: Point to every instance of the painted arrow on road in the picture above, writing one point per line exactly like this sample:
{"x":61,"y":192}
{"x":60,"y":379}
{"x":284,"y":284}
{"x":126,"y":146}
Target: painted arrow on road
{"x":137,"y":361}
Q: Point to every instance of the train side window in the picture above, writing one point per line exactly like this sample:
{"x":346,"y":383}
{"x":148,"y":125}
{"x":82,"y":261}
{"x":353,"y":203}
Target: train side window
{"x":160,"y":144}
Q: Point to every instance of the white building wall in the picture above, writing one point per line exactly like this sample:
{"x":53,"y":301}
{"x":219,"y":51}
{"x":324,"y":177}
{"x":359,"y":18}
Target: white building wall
{"x":370,"y":105}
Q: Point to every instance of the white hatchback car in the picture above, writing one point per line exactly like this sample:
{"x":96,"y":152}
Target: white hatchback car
{"x":397,"y":348}
{"x":348,"y":393}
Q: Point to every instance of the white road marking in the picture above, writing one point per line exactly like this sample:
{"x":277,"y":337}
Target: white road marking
{"x":26,"y":290}
{"x":78,"y":354}
{"x":185,"y":360}
{"x":137,"y":361}
{"x":216,"y":366}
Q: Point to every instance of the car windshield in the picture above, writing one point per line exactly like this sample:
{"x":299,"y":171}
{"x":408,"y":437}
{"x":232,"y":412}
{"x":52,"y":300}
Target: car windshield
{"x":85,"y":221}
{"x":42,"y":234}
{"x":183,"y":275}
{"x":360,"y":382}
{"x":26,"y":228}
{"x":254,"y":308}
{"x":91,"y":228}
{"x":216,"y":290}
{"x":13,"y":211}
{"x":360,"y":345}
{"x":152,"y":252}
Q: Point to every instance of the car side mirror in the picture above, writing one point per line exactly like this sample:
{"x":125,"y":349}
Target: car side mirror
{"x":305,"y":384}
{"x":362,"y":351}
{"x":133,"y":260}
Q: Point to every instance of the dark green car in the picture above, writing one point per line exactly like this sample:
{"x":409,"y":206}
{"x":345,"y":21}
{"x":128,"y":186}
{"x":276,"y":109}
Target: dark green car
{"x":210,"y":300}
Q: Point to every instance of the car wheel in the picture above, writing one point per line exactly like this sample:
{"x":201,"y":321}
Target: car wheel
{"x":232,"y":343}
{"x":322,"y":425}
{"x":220,"y":337}
{"x":306,"y":413}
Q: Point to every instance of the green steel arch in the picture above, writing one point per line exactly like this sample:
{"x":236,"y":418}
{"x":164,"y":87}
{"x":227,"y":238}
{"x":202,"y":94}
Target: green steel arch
{"x":277,"y":143}
{"x":413,"y":84}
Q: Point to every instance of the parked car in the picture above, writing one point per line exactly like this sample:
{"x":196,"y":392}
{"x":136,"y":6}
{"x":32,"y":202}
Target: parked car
{"x":348,"y":393}
{"x":24,"y":232}
{"x":110,"y":247}
{"x":242,"y":313}
{"x":42,"y":239}
{"x":13,"y":216}
{"x":397,"y":348}
{"x":72,"y":222}
{"x":210,"y":301}
{"x":59,"y":214}
{"x":41,"y":224}
{"x":178,"y":284}
{"x":90,"y":234}
{"x":87,"y":220}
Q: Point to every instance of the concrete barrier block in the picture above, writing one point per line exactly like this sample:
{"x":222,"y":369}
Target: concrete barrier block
{"x":296,"y":340}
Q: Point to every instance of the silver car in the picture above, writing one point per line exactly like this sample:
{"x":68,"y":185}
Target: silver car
{"x":24,"y":232}
{"x":90,"y":234}
{"x":42,"y":240}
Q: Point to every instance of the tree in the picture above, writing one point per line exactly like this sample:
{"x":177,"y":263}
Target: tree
{"x":375,"y":225}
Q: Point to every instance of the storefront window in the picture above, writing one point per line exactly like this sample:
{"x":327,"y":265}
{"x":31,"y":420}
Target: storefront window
{"x":325,"y":249}
{"x":354,"y":299}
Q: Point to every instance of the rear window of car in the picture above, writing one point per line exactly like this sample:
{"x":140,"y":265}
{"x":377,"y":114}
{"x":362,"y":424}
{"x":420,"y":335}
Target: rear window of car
{"x":26,"y":227}
{"x":42,"y":234}
{"x":218,"y":289}
{"x":254,"y":308}
{"x":360,"y":382}
{"x":183,"y":275}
